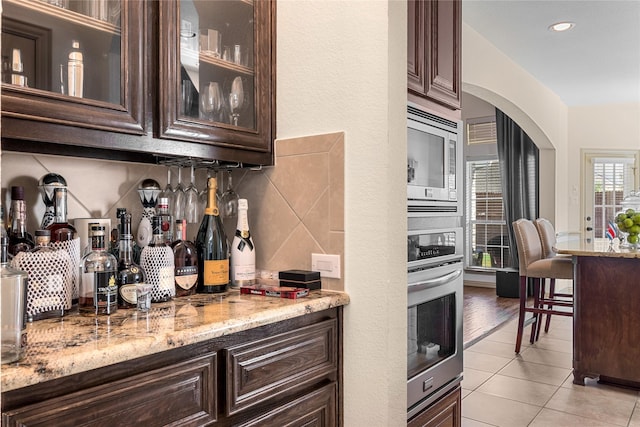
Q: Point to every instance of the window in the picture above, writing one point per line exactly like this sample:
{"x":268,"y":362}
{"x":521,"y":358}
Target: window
{"x":487,"y":238}
{"x":612,"y":180}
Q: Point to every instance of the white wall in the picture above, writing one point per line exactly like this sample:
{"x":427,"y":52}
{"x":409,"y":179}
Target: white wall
{"x":342,"y":67}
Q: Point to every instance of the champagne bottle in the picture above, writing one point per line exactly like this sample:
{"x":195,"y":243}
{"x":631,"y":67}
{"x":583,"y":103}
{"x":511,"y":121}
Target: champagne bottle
{"x":243,"y":254}
{"x":185,"y":257}
{"x":129,"y":273}
{"x":212,"y":247}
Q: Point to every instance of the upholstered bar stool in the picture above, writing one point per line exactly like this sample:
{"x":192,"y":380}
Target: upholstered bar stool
{"x":534,"y":265}
{"x":548,"y":240}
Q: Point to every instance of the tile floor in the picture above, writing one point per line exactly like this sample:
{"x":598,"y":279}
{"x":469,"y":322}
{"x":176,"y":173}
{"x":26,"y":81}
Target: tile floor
{"x":535,"y":388}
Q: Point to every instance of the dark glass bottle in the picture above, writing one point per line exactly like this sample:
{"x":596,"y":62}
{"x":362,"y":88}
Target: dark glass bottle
{"x":185,"y":258}
{"x":19,"y":239}
{"x":98,"y":293}
{"x":61,"y":230}
{"x":212,"y":247}
{"x":129,"y":273}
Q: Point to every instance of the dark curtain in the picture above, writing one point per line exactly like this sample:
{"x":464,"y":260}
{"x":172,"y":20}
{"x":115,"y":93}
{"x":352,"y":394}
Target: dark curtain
{"x":519,"y":159}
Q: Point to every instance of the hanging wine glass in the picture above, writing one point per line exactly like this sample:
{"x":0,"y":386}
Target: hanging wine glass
{"x":191,"y":203}
{"x":178,"y":198}
{"x":229,"y":208}
{"x":202,"y":196}
{"x":168,"y":191}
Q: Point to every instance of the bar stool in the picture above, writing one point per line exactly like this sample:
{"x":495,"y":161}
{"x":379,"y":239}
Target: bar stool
{"x":534,"y":265}
{"x":548,"y":239}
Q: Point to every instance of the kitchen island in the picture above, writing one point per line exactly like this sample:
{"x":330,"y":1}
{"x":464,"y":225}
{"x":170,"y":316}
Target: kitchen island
{"x":190,"y":361}
{"x":606,"y":315}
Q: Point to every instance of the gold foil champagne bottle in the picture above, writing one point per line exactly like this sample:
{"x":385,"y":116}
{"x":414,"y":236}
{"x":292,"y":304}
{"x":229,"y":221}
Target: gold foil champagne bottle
{"x":212,"y":247}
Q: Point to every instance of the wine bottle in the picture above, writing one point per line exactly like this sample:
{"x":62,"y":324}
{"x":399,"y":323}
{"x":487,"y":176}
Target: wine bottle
{"x":243,"y":254}
{"x":185,"y":257}
{"x":19,"y":239}
{"x":157,"y":261}
{"x":61,"y":230}
{"x":212,"y":247}
{"x":98,"y":292}
{"x":129,"y":273}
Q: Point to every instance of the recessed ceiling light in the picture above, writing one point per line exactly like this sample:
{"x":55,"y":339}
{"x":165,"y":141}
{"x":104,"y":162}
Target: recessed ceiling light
{"x":562,"y":26}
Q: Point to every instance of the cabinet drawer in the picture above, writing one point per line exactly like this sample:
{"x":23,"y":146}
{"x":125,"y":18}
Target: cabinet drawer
{"x":314,"y":409}
{"x":182,"y":394}
{"x":280,"y":365}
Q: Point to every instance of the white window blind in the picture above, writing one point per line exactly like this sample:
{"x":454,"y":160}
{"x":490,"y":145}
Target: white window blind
{"x":487,"y":239}
{"x":481,"y":130}
{"x":613,"y":179}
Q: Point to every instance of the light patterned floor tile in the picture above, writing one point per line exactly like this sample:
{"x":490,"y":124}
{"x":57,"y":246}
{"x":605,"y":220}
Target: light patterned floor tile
{"x":472,"y":378}
{"x":485,"y":362}
{"x":536,"y":372}
{"x":543,"y":356}
{"x":635,"y":417}
{"x":468,"y":422}
{"x":518,"y":389}
{"x":551,"y":418}
{"x":498,"y":411}
{"x":554,"y":344}
{"x":614,"y":409}
{"x":493,"y":347}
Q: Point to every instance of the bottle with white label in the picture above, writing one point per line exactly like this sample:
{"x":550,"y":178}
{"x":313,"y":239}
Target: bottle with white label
{"x":129,"y":273}
{"x":157,"y":261}
{"x":75,"y":71}
{"x":243,"y":254}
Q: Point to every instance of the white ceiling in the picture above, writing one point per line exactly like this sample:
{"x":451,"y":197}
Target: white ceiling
{"x":596,"y":62}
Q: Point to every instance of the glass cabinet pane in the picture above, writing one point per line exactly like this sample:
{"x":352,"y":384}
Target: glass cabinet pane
{"x":217,"y":75}
{"x":68,"y":47}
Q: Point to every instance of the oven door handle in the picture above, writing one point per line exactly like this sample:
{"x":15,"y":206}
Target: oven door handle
{"x":438,"y":281}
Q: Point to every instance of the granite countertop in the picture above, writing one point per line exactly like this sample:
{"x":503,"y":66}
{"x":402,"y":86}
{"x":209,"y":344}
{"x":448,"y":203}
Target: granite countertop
{"x":596,"y":248}
{"x":75,"y":343}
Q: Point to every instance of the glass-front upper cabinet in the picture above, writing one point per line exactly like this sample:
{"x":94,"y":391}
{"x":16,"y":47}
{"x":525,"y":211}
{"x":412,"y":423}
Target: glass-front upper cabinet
{"x":217,"y":78}
{"x":71,"y":63}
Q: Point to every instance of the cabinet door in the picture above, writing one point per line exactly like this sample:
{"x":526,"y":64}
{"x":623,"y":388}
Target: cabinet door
{"x":182,"y":394}
{"x":71,"y":63}
{"x":217,"y":76}
{"x":434,"y":55}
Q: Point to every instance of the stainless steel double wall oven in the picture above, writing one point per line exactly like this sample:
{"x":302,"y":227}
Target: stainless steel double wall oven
{"x":434,"y":259}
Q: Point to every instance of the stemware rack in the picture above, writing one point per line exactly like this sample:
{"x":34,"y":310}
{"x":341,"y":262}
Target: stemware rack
{"x":213,"y":165}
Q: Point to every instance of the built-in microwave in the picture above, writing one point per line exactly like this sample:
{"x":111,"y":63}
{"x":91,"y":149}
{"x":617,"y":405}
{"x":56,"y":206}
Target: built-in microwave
{"x":434,"y":163}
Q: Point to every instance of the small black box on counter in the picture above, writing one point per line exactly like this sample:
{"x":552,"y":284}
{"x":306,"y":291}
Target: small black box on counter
{"x":300,"y":279}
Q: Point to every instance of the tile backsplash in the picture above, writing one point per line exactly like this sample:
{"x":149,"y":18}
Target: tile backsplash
{"x":295,"y":208}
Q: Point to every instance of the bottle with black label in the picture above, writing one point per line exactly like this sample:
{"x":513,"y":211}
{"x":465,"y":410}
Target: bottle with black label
{"x":129,"y":273}
{"x":98,"y":293}
{"x":185,"y":258}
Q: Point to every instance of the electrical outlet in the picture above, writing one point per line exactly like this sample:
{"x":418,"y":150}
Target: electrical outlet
{"x":327,"y":265}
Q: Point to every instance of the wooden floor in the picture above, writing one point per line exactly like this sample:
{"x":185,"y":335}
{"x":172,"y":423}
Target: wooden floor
{"x":484,"y":312}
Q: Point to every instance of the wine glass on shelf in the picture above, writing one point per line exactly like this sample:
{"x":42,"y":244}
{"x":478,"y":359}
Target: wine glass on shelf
{"x":191,"y":202}
{"x":211,"y":101}
{"x":178,"y":197}
{"x":236,"y":99}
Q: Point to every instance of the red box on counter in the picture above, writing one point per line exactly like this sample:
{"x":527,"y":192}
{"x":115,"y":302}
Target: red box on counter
{"x":275,"y":291}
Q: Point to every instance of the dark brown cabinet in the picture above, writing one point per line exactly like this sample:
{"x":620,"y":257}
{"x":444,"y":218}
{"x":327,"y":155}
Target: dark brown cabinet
{"x":434,"y":54}
{"x":137,"y":56}
{"x":446,"y":412}
{"x":285,"y":373}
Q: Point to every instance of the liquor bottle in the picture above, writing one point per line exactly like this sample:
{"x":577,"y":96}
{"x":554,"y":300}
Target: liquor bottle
{"x":185,"y":257}
{"x":98,"y":292}
{"x":166,"y":222}
{"x":243,"y":254}
{"x":212,"y":247}
{"x":61,"y":230}
{"x":75,"y":71}
{"x":50,"y":271}
{"x":129,"y":273}
{"x":19,"y":239}
{"x":157,"y":261}
{"x":116,"y":232}
{"x":14,"y":303}
{"x":47,"y":185}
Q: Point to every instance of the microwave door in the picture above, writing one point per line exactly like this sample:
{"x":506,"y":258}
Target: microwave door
{"x":427,"y":163}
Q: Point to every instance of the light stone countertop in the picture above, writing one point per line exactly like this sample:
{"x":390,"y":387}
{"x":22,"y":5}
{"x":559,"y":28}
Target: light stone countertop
{"x":75,"y":343}
{"x":595,"y":248}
